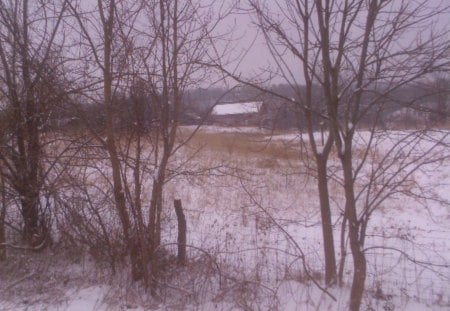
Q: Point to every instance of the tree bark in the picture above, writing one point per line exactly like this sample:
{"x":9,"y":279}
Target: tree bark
{"x":359,"y":258}
{"x":119,"y":196}
{"x":30,"y":217}
{"x":327,"y":226}
{"x":155,"y":215}
{"x":343,"y":252}
{"x":2,"y":221}
{"x":181,"y":232}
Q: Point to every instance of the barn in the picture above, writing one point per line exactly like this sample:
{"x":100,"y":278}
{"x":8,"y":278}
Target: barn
{"x":237,"y":114}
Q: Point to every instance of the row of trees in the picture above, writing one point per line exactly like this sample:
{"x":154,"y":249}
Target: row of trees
{"x":64,"y":53}
{"x":76,"y":55}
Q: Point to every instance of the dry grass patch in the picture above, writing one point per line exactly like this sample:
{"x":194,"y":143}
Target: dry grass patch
{"x":257,"y":147}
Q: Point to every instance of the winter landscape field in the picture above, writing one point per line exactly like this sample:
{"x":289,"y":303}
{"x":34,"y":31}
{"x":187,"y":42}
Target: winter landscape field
{"x":254,"y":235}
{"x":225,"y":155}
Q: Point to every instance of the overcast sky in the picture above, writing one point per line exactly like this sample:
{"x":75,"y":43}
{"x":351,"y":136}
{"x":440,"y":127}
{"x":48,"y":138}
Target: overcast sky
{"x":248,"y":48}
{"x":257,"y":56}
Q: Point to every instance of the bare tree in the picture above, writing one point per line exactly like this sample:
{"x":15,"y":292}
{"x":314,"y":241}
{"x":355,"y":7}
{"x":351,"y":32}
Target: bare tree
{"x":184,"y":34}
{"x":359,"y":58}
{"x":28,"y":91}
{"x":359,"y":53}
{"x":102,"y":47}
{"x":148,"y":56}
{"x":290,"y":33}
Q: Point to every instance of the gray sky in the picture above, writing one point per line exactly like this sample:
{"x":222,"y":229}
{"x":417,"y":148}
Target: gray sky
{"x":249,"y":52}
{"x":250,"y":49}
{"x":257,"y":57}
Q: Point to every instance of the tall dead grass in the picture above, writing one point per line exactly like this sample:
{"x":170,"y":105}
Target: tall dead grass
{"x":255,"y":147}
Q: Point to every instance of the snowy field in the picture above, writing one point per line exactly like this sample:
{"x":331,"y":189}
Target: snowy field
{"x":250,"y":221}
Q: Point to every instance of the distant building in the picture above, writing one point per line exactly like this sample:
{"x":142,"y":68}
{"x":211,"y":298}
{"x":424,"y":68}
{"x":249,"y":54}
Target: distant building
{"x":237,"y":114}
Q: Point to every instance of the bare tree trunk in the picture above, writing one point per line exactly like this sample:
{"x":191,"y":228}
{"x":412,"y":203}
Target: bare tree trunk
{"x":155,"y":215}
{"x":343,"y":252}
{"x":2,"y":220}
{"x":119,"y":196}
{"x":30,"y":219}
{"x":169,"y":114}
{"x":359,"y":258}
{"x":30,"y":202}
{"x":181,"y":232}
{"x":141,"y":244}
{"x":327,"y":226}
{"x":154,"y":226}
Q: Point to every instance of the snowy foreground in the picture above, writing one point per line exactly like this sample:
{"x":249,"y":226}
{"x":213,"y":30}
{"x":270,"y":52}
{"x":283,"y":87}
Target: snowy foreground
{"x":243,"y":219}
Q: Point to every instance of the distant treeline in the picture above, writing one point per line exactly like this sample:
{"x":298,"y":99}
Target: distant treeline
{"x":282,"y":107}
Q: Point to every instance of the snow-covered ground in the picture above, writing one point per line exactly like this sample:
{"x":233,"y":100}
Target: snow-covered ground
{"x":248,"y":228}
